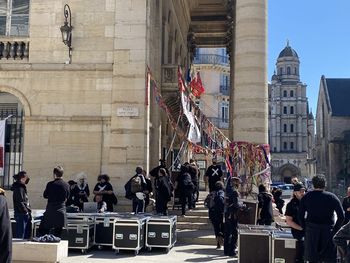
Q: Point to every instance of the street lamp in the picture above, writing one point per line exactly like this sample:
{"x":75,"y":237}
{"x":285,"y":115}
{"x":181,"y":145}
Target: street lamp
{"x":66,"y":30}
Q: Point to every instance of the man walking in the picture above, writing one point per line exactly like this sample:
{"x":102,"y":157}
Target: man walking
{"x":212,"y":175}
{"x":316,"y":216}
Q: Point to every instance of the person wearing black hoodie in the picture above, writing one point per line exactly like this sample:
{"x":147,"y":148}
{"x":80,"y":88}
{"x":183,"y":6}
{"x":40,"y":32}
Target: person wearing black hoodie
{"x":5,"y":231}
{"x":164,"y":189}
{"x":22,"y":211}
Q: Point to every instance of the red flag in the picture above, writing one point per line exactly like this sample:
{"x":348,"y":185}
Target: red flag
{"x":180,"y":80}
{"x":196,"y":85}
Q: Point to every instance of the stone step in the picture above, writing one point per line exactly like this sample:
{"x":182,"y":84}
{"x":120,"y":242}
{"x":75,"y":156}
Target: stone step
{"x":192,"y":225}
{"x":202,"y":237}
{"x":194,"y":219}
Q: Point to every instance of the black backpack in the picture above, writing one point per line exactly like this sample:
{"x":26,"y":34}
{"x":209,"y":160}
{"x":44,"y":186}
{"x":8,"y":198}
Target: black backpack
{"x":209,"y":201}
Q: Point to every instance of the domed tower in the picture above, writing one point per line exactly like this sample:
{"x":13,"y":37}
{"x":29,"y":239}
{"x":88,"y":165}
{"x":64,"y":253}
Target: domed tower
{"x":288,"y":64}
{"x":288,"y":118}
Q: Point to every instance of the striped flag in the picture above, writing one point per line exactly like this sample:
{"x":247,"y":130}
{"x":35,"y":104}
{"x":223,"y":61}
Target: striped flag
{"x":2,"y":146}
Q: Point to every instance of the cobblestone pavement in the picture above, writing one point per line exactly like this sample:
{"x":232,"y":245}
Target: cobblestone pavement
{"x":180,"y":253}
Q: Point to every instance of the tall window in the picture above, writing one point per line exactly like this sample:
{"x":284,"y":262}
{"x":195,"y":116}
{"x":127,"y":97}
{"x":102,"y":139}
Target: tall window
{"x":284,"y":93}
{"x":292,"y":93}
{"x":285,"y":145}
{"x":291,"y":110}
{"x":292,"y":128}
{"x":288,"y":70}
{"x":281,"y":71}
{"x":284,"y":110}
{"x":14,"y":17}
{"x":224,"y":112}
{"x":284,"y":127}
{"x":292,"y":145}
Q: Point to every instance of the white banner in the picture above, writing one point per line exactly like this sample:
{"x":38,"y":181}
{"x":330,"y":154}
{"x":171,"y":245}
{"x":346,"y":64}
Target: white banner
{"x":194,"y":134}
{"x":2,"y":146}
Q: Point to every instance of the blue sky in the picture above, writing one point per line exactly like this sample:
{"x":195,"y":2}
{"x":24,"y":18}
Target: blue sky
{"x":319,"y":31}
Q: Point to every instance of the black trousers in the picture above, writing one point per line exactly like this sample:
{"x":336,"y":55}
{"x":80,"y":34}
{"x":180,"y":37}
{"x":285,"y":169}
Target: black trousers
{"x":299,"y":258}
{"x":319,"y":246}
{"x":218,"y":224}
{"x":230,"y":235}
{"x":161,"y":206}
{"x":186,"y":197}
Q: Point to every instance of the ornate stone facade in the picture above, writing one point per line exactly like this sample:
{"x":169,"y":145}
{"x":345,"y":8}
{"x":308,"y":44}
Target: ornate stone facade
{"x":291,"y":133}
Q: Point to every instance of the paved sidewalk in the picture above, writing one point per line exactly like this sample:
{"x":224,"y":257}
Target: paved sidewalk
{"x":180,"y":253}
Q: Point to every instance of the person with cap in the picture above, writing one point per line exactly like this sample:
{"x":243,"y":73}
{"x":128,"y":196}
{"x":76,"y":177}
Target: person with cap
{"x":56,"y":193}
{"x":135,"y":190}
{"x":5,"y":230}
{"x":292,"y":220}
{"x":232,"y":206}
{"x":21,"y":207}
{"x":316,"y":214}
{"x":212,"y":175}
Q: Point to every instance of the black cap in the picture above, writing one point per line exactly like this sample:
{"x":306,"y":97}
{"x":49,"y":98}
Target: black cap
{"x":298,"y":187}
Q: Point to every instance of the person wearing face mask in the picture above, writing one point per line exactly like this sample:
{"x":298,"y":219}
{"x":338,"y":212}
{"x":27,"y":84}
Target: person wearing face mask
{"x":292,"y":220}
{"x":56,"y":193}
{"x":22,"y":211}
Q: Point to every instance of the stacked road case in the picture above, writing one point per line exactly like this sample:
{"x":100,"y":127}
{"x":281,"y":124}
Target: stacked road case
{"x":129,"y":232}
{"x":104,"y":225}
{"x":283,"y":247}
{"x":161,"y":232}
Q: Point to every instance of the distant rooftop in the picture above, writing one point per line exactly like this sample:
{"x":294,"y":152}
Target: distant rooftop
{"x":339,"y":96}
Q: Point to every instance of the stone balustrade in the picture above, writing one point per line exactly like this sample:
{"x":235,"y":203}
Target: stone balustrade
{"x":14,"y":49}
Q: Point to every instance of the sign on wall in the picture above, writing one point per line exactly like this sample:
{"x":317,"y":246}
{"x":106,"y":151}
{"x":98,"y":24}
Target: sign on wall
{"x":128,"y":111}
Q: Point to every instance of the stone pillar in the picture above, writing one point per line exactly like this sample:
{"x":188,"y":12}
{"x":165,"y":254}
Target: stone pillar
{"x":250,"y":100}
{"x":278,"y":133}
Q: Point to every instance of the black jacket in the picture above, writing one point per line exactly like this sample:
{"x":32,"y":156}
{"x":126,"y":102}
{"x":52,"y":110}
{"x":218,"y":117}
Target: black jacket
{"x":5,"y":232}
{"x":20,"y":198}
{"x":56,"y":193}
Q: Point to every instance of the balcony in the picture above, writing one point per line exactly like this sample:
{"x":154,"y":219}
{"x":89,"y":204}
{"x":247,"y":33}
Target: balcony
{"x":14,"y":49}
{"x":212,"y":59}
{"x":225,"y":90}
{"x":220,"y":122}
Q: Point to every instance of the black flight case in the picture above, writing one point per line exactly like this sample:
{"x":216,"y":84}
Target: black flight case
{"x":79,"y":231}
{"x":283,"y":247}
{"x":161,"y":232}
{"x":104,"y":225}
{"x":129,"y":232}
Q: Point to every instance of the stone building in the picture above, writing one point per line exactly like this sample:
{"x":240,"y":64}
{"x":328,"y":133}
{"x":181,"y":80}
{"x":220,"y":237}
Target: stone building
{"x":333,"y":132}
{"x":91,"y":111}
{"x":291,"y":124}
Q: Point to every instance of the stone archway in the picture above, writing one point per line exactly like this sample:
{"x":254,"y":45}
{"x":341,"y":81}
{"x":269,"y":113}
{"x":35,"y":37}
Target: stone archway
{"x":287,"y":172}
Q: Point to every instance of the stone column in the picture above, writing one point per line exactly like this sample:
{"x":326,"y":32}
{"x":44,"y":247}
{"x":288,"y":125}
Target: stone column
{"x":278,"y":133}
{"x":250,"y":100}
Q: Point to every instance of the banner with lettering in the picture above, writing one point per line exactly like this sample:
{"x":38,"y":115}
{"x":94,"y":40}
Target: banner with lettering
{"x":2,"y":146}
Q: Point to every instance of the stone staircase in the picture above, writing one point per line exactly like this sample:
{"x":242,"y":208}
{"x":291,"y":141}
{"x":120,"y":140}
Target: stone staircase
{"x":195,"y":227}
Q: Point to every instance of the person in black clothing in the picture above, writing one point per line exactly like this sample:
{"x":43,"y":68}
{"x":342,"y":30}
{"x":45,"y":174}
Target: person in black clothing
{"x":232,"y":206}
{"x":319,"y":207}
{"x":71,"y":201}
{"x":216,"y":213}
{"x":82,"y":191}
{"x":149,"y":189}
{"x":164,"y":191}
{"x":292,"y":219}
{"x":341,"y":240}
{"x":212,"y":175}
{"x":185,"y":187}
{"x":346,"y":207}
{"x":265,"y":214}
{"x":101,"y":205}
{"x":136,"y":189}
{"x":106,"y":189}
{"x":278,"y":200}
{"x":56,"y":193}
{"x":5,"y":230}
{"x":155,"y":171}
{"x":22,"y":211}
{"x":193,"y":171}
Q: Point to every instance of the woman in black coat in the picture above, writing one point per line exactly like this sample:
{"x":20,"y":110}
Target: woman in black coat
{"x":106,"y":189}
{"x":164,"y":189}
{"x":56,"y":193}
{"x":5,"y":231}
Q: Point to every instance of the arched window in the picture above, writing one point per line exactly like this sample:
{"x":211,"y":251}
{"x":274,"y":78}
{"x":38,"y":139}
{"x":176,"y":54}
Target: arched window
{"x":292,"y":128}
{"x":295,"y":71}
{"x":292,"y":93}
{"x":284,"y":110}
{"x":288,"y":70}
{"x":291,"y":110}
{"x":284,"y":93}
{"x":281,"y":71}
{"x":284,"y":127}
{"x":14,"y":18}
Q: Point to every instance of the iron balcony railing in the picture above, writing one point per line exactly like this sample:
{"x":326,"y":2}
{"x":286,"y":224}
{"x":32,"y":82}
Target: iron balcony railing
{"x":225,"y":90}
{"x":221,"y":123}
{"x":211,"y":59}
